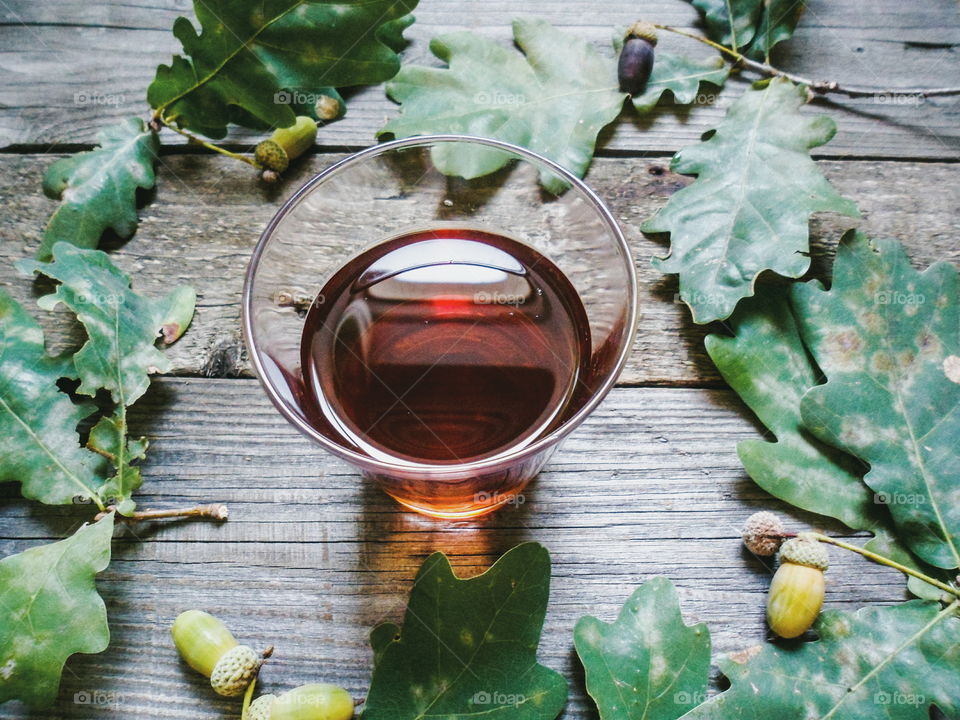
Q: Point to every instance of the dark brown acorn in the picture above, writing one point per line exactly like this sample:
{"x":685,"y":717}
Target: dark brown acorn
{"x":636,"y":57}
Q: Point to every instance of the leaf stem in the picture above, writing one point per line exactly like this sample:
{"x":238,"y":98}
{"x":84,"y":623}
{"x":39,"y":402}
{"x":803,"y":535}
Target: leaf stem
{"x":819,"y":87}
{"x":165,"y":122}
{"x":870,"y":555}
{"x":214,"y":511}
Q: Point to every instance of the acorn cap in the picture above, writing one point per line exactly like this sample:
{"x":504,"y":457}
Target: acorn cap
{"x":270,"y":155}
{"x":763,"y":533}
{"x":642,"y":29}
{"x":260,"y":708}
{"x":234,"y":671}
{"x":805,"y":550}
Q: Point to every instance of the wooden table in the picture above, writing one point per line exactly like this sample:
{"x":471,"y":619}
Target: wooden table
{"x":312,"y":557}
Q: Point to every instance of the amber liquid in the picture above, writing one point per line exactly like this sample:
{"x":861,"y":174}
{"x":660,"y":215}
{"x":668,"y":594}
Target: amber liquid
{"x":444,"y":346}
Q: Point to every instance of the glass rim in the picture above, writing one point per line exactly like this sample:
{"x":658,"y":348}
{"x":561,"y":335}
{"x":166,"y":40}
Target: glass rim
{"x":484,"y":464}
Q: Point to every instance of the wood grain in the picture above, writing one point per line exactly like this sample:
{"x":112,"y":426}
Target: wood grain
{"x":312,"y":557}
{"x":207,"y":213}
{"x":83,"y":65}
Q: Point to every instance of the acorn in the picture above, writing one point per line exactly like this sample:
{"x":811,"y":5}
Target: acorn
{"x":285,"y":144}
{"x":260,"y":708}
{"x":796,"y":593}
{"x":319,"y":701}
{"x":209,"y":647}
{"x":763,"y":533}
{"x":327,"y":108}
{"x":636,"y":57}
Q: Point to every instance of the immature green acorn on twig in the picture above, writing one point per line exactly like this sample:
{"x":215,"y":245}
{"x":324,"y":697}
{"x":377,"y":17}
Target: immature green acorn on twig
{"x":285,"y":144}
{"x":636,"y":57}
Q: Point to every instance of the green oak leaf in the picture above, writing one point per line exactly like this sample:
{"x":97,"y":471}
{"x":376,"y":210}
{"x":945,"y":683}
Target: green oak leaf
{"x":682,"y":77}
{"x":109,"y":438}
{"x":49,"y":610}
{"x":39,"y":444}
{"x":777,"y":22}
{"x":553,"y":99}
{"x":120,"y":353}
{"x":887,"y":337}
{"x":391,"y":33}
{"x":751,"y":26}
{"x":749,"y":208}
{"x":767,"y":365}
{"x":98,"y":188}
{"x":381,"y":637}
{"x":122,"y":326}
{"x":880,"y":662}
{"x":248,"y":52}
{"x":648,"y":665}
{"x":468,"y":648}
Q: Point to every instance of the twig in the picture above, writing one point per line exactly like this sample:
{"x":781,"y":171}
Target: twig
{"x":214,"y":511}
{"x":251,"y":688}
{"x":166,"y":122}
{"x":819,"y":87}
{"x":870,"y":555}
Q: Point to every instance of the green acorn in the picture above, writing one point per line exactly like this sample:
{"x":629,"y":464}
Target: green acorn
{"x":319,"y":701}
{"x":210,"y":648}
{"x":285,"y":144}
{"x":260,"y":708}
{"x":797,"y":590}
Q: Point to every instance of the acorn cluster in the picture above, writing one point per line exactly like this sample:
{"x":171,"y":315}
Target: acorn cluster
{"x":798,"y":586}
{"x":208,"y":646}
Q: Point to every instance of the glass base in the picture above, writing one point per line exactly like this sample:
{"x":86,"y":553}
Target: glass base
{"x":455,"y":514}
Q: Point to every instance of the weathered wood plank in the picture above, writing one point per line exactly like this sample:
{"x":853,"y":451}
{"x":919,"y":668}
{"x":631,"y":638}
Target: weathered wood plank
{"x":82,"y":65}
{"x":312,"y":557}
{"x":209,"y":211}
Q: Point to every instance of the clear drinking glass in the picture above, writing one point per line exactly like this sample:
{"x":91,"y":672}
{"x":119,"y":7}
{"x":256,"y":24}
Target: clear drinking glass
{"x":387,"y":190}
